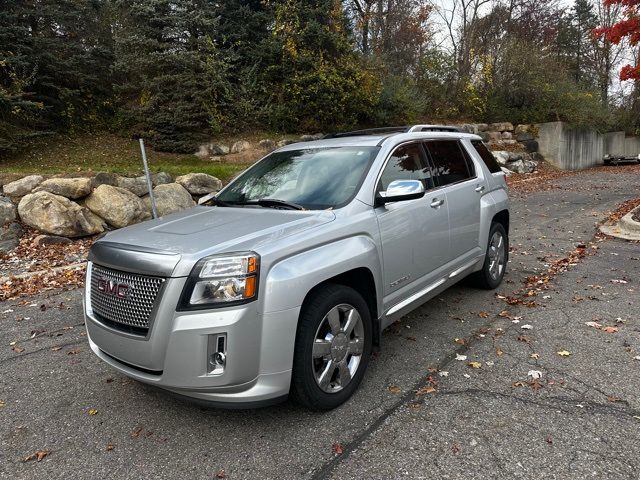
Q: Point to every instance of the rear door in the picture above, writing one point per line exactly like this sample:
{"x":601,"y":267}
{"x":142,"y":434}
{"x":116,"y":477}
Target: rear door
{"x":463,"y":185}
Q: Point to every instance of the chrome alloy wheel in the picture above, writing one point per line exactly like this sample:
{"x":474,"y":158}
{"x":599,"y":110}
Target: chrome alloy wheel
{"x":497,"y":255}
{"x":338,"y":348}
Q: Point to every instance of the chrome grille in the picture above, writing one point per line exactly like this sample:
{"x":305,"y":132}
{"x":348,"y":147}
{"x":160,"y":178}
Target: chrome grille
{"x":133,"y":306}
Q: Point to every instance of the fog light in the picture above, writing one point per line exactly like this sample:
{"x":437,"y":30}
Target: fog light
{"x":219,"y":358}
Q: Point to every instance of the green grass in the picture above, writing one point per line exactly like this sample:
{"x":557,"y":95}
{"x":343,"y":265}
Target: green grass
{"x":109,"y":153}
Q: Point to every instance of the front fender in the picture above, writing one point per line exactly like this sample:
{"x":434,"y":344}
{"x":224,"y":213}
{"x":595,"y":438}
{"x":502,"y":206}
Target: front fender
{"x":290,"y":280}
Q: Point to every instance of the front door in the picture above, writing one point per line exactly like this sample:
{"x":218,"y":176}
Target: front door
{"x":414,"y":233}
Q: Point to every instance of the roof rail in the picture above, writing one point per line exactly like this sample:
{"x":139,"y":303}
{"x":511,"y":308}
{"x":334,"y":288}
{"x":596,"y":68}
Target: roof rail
{"x":394,"y":130}
{"x":369,"y":131}
{"x":434,"y":128}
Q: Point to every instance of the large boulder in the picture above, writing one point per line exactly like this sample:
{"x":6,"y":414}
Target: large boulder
{"x":21,"y":187}
{"x":58,"y":215}
{"x":105,"y":178}
{"x":522,"y":166}
{"x":211,"y":149}
{"x":7,"y":211}
{"x":66,"y":187}
{"x":240,"y":146}
{"x":9,"y":177}
{"x":267,"y":144}
{"x":170,"y":198}
{"x":137,"y":185}
{"x":10,"y":236}
{"x":118,"y":206}
{"x":161,"y":178}
{"x":501,"y":127}
{"x":199,"y":183}
{"x":501,"y":156}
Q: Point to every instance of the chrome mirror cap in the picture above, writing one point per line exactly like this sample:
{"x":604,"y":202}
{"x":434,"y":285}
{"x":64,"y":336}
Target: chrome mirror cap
{"x":400,"y":188}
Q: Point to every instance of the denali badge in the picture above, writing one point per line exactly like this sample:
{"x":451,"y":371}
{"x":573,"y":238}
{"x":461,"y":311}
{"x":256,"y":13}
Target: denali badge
{"x":111,"y":287}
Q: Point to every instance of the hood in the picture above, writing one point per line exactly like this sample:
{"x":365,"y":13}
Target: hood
{"x":200,"y":231}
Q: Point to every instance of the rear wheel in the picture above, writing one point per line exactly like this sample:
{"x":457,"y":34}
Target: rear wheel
{"x":333,"y":346}
{"x":495,"y":262}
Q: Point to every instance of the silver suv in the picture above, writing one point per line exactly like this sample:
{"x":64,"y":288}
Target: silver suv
{"x":282,"y":283}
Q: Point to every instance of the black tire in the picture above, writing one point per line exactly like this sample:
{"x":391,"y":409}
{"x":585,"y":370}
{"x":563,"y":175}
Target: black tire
{"x":305,"y":389}
{"x":484,"y":278}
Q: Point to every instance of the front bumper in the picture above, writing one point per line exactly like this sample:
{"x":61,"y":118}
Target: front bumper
{"x":174,"y":355}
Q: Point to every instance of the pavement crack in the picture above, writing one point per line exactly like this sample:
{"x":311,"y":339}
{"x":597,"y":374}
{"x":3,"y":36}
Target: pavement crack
{"x":554,"y":402}
{"x":44,"y":349}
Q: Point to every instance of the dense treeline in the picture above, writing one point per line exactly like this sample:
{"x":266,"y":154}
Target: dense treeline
{"x":179,"y":72}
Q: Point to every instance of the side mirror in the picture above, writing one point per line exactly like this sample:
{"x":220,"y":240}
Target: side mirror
{"x":400,"y":190}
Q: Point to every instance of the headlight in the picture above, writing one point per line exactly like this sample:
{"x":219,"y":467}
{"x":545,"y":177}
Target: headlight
{"x":222,"y":280}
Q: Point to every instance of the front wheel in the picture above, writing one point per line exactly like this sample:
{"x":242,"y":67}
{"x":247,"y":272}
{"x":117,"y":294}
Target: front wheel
{"x":495,"y":262}
{"x":333,"y":346}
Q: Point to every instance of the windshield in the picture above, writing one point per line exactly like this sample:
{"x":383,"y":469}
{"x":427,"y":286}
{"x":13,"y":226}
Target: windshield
{"x":314,"y":178}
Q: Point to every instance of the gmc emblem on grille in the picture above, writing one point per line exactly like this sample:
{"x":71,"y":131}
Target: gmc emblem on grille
{"x":110,"y":287}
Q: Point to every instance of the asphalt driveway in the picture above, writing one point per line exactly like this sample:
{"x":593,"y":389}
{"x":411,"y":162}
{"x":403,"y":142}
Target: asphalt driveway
{"x":513,"y":408}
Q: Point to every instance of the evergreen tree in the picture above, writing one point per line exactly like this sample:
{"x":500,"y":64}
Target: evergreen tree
{"x":317,"y":81}
{"x":169,"y":70}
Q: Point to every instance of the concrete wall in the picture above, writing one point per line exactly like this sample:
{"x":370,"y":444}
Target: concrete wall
{"x":569,"y":148}
{"x":632,"y":146}
{"x":614,"y":144}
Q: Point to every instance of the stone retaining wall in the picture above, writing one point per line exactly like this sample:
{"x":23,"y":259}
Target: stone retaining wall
{"x":82,"y":206}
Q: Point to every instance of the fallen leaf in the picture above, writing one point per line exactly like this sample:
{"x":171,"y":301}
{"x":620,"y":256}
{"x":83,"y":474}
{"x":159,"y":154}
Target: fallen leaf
{"x":221,"y":473}
{"x":564,"y":353}
{"x":109,"y":447}
{"x":37,"y":456}
{"x":92,"y":411}
{"x":337,"y":449}
{"x":55,"y":349}
{"x":461,"y":358}
{"x":499,"y":352}
{"x":136,"y":432}
{"x":75,"y":351}
{"x":535,"y":355}
{"x":483,"y":314}
{"x":460,"y":341}
{"x":394,"y":389}
{"x":2,"y":403}
{"x":610,"y":329}
{"x":17,"y":349}
{"x":474,"y":364}
{"x":612,"y":398}
{"x":425,"y":390}
{"x":523,"y":338}
{"x":592,"y":324}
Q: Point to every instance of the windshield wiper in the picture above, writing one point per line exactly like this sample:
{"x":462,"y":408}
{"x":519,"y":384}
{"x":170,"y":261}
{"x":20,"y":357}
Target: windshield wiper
{"x":211,"y":198}
{"x":276,"y":203}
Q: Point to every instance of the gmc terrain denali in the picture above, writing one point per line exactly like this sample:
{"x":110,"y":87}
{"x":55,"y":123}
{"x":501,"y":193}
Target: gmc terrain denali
{"x":282,"y":282}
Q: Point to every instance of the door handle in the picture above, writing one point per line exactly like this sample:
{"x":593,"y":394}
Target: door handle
{"x":435,"y":203}
{"x":480,"y":188}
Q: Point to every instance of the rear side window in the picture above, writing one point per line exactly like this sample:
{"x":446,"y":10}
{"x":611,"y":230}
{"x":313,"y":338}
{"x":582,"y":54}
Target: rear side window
{"x":487,"y":157}
{"x":449,"y":162}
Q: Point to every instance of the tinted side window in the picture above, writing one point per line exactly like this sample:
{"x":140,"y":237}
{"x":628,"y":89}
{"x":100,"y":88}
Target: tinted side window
{"x":407,"y":162}
{"x":487,"y":157}
{"x":448,"y":161}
